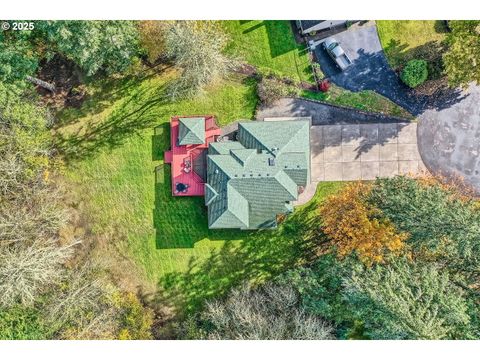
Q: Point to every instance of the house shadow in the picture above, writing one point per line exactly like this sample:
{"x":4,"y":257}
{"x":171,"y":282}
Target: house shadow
{"x":160,"y":141}
{"x":260,"y":255}
{"x":181,"y":221}
{"x":278,"y":45}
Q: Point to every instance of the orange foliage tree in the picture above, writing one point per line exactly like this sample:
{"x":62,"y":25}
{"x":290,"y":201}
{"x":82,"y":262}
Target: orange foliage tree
{"x":152,"y":38}
{"x":355,"y":226}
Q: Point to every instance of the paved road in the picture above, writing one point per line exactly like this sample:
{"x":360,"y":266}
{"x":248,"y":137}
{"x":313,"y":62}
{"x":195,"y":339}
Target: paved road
{"x":449,"y":139}
{"x":370,"y":71}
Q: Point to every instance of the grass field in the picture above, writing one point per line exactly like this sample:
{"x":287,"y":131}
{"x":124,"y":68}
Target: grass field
{"x":270,"y":46}
{"x":114,"y":145}
{"x":404,"y":40}
{"x":364,"y":100}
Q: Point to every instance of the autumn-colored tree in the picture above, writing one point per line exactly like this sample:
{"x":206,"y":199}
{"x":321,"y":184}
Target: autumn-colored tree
{"x":152,"y":38}
{"x":354,"y":226}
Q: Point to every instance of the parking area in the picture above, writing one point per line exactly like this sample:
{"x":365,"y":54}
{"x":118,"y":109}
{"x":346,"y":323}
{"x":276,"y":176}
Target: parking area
{"x":364,"y":152}
{"x":370,"y":69}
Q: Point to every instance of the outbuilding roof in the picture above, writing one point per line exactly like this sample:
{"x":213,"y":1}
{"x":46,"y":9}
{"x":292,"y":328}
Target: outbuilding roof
{"x":191,"y":131}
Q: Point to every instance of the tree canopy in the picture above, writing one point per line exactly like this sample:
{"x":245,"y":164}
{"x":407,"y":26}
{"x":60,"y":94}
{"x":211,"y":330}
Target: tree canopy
{"x":94,"y":45}
{"x":355,"y":226}
{"x":462,"y":58}
{"x":17,"y":56}
{"x":407,"y":300}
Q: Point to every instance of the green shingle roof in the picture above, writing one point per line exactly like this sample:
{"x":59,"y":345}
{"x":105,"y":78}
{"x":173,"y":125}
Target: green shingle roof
{"x":191,"y":131}
{"x":210,"y":194}
{"x":276,"y":136}
{"x":217,"y":148}
{"x":257,"y":177}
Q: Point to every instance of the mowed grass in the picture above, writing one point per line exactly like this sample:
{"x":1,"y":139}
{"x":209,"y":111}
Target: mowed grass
{"x":270,"y":46}
{"x":404,"y":40}
{"x":114,"y":146}
{"x":366,"y":100}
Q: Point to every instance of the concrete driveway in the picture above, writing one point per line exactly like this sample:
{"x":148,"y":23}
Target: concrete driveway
{"x":347,"y":144}
{"x":371,"y":71}
{"x":364,"y":152}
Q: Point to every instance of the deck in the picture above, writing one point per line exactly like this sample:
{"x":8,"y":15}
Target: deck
{"x":188,"y":161}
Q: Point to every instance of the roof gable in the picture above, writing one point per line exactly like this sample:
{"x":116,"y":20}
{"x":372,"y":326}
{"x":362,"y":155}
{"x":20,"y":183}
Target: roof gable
{"x":237,"y":204}
{"x":255,"y":179}
{"x":191,"y":131}
{"x":243,"y":155}
{"x":277,"y":136}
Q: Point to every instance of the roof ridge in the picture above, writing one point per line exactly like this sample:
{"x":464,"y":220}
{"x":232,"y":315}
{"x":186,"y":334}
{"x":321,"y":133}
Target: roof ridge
{"x":240,"y":124}
{"x":294,"y":135}
{"x":285,"y":186}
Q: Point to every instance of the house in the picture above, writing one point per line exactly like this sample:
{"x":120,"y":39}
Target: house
{"x":307,"y":27}
{"x":256,"y":178}
{"x":189,"y":140}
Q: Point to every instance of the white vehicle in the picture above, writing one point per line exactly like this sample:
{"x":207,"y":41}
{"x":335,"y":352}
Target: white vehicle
{"x":333,"y":48}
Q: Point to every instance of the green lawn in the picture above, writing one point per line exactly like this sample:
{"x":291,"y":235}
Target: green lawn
{"x":115,"y":144}
{"x":404,"y":40}
{"x":364,"y":100}
{"x":270,"y":46}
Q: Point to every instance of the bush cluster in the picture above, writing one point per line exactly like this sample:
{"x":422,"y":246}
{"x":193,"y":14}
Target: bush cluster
{"x":415,"y":73}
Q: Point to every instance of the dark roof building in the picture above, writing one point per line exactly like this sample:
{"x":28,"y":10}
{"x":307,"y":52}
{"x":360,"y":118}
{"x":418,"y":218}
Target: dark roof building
{"x":310,"y":26}
{"x":254,"y":179}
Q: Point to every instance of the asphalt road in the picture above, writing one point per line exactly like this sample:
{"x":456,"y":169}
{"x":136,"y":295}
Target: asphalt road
{"x":449,"y":139}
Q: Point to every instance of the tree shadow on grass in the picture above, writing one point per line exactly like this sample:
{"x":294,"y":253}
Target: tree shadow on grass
{"x":431,"y":51}
{"x":106,"y":92}
{"x":258,"y":256}
{"x":181,"y":221}
{"x":129,"y":118}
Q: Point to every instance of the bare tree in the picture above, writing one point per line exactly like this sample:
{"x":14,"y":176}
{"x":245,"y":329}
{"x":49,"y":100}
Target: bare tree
{"x":271,"y":312}
{"x":197,"y":49}
{"x":83,"y":308}
{"x":27,"y":270}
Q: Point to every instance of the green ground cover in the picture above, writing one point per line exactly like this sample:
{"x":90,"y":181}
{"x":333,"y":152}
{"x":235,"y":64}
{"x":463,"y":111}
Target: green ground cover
{"x":364,"y":100}
{"x":270,"y":46}
{"x":115,"y":151}
{"x":404,"y":40}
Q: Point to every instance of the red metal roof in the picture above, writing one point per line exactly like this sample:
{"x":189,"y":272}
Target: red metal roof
{"x":182,"y":157}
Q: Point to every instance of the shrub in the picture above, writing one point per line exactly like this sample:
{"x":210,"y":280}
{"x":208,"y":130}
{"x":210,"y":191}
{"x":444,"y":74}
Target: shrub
{"x":414,"y":73}
{"x":324,"y":85}
{"x":271,"y":89}
{"x":21,"y":323}
{"x":135,"y":320}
